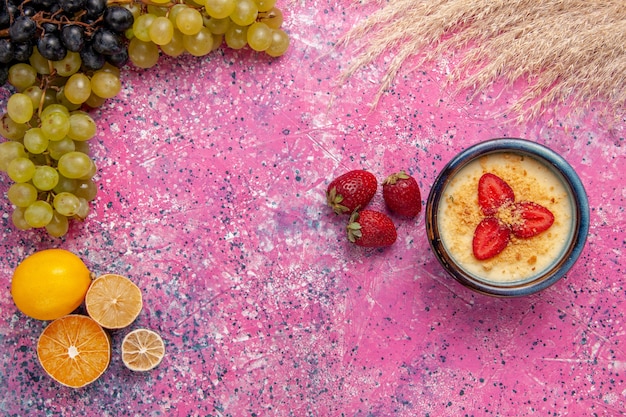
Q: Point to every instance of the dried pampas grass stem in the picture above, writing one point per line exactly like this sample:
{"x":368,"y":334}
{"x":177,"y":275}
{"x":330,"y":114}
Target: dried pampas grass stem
{"x":569,"y":51}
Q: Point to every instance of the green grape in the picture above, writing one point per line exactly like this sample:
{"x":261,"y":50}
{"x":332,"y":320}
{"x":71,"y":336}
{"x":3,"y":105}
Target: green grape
{"x":38,"y":214}
{"x":217,"y":26}
{"x":111,"y":68}
{"x":161,"y":30}
{"x":177,"y":8}
{"x":35,"y":141}
{"x":157,"y":10}
{"x":160,"y":1}
{"x":265,"y":5}
{"x":53,"y":108}
{"x":75,"y":164}
{"x":236,"y":36}
{"x":94,"y":101}
{"x":55,"y":125}
{"x":65,"y":185}
{"x":49,"y":98}
{"x":22,"y":76}
{"x":143,"y":54}
{"x":22,"y":194}
{"x":90,"y":174}
{"x":83,"y":209}
{"x":9,"y":151}
{"x":134,"y":7}
{"x":45,"y":178}
{"x":21,"y":169}
{"x":245,"y":13}
{"x":82,"y":126}
{"x":105,"y":84}
{"x":17,"y":217}
{"x":220,"y":9}
{"x":35,"y":94}
{"x":189,"y":21}
{"x":66,"y":204}
{"x":217,"y":41}
{"x":20,"y":108}
{"x":175,"y":47}
{"x":10,"y":129}
{"x":82,"y":146}
{"x":58,"y":226}
{"x":62,"y":100}
{"x":272,"y":18}
{"x":141,"y":27}
{"x":199,"y":44}
{"x":78,"y":88}
{"x":280,"y":43}
{"x":86,"y":189}
{"x":68,"y":65}
{"x":39,"y":63}
{"x":59,"y":148}
{"x":259,"y":36}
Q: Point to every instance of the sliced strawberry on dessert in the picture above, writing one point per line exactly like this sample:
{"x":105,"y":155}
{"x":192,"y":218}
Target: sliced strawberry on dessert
{"x":493,"y":193}
{"x":352,"y":190}
{"x":530,"y":219}
{"x":371,"y":229}
{"x":402,"y":194}
{"x":490,"y":238}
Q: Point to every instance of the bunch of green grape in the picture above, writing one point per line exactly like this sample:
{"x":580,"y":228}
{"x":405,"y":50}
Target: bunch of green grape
{"x":199,"y":27}
{"x":59,"y":65}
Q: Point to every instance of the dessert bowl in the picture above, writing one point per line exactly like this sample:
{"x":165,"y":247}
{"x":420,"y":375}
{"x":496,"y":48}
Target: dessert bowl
{"x":535,"y":174}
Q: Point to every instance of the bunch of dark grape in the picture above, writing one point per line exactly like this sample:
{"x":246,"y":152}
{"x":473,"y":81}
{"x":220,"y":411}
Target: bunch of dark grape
{"x":60,"y":58}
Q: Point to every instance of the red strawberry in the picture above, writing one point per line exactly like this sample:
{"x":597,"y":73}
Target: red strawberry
{"x":371,"y":229}
{"x":530,"y":219}
{"x":350,"y":191}
{"x":493,"y":193}
{"x":490,"y":238}
{"x":402,"y":194}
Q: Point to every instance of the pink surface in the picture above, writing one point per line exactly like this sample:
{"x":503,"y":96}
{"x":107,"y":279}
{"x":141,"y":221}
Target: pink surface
{"x":212,"y":175}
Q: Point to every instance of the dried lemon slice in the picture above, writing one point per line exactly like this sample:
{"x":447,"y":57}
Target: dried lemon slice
{"x":142,"y":350}
{"x":113,"y":301}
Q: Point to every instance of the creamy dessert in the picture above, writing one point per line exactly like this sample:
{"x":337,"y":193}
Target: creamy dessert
{"x":523,"y":256}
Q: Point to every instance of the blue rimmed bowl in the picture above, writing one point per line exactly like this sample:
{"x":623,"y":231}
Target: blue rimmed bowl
{"x":563,"y":259}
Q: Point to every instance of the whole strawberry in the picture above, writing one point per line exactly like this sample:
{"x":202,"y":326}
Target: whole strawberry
{"x":371,"y":229}
{"x":402,"y":194}
{"x":350,"y":191}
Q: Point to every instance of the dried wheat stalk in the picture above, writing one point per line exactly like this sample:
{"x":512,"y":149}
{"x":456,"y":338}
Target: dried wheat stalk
{"x":570,"y":51}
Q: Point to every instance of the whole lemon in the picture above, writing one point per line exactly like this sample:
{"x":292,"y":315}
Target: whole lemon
{"x":50,"y":284}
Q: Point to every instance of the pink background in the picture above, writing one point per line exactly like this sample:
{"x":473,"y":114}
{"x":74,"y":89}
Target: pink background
{"x":212,"y":175}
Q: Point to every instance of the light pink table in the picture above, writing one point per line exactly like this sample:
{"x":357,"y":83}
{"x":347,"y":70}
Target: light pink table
{"x":212,"y":175}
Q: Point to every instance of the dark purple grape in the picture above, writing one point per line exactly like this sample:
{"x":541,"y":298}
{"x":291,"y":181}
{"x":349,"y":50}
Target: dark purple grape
{"x":23,"y":29}
{"x":28,"y":11}
{"x":22,"y":51}
{"x":51,"y":47}
{"x":118,"y":18}
{"x":49,"y":27}
{"x":6,"y":51}
{"x":118,"y":60}
{"x":73,"y":37}
{"x":5,"y":18}
{"x":107,"y":42}
{"x":92,"y":60}
{"x":72,"y":6}
{"x":95,"y":8}
{"x":43,"y":4}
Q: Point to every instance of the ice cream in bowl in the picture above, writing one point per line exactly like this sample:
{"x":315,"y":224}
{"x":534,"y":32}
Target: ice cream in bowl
{"x":507,"y":217}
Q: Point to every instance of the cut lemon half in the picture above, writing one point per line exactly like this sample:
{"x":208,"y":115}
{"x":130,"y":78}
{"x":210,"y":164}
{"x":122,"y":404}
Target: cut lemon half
{"x":74,"y":350}
{"x":113,"y":301}
{"x":142,"y":350}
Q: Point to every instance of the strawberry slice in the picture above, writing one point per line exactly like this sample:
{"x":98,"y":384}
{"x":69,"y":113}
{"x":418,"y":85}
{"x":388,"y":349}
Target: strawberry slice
{"x":530,"y":219}
{"x":490,"y":238}
{"x":493,"y":193}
